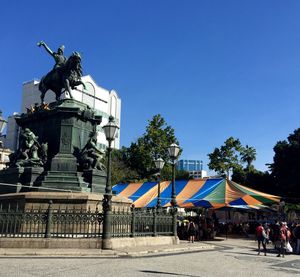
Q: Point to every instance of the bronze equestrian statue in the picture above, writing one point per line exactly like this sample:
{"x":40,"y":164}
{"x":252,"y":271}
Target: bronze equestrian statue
{"x":65,"y":75}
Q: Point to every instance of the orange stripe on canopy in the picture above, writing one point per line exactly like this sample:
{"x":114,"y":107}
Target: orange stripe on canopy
{"x":189,"y":190}
{"x":163,"y":186}
{"x":187,"y":205}
{"x":130,"y":189}
{"x":150,"y":195}
{"x":232,"y":193}
{"x":218,"y":205}
{"x":250,"y":200}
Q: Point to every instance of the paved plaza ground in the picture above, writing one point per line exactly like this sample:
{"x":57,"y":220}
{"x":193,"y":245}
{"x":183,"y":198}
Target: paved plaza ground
{"x":231,"y":257}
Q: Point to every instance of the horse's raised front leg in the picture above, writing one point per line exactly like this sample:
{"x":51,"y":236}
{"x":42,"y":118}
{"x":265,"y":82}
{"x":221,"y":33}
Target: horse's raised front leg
{"x":82,"y":83}
{"x":77,"y":83}
{"x":68,"y":88}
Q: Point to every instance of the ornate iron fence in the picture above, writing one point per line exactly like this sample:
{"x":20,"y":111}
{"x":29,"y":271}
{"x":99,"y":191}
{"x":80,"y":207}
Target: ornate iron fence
{"x":50,"y":223}
{"x":74,"y":223}
{"x":141,"y":222}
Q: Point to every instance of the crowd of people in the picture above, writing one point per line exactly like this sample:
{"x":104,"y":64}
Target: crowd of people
{"x":198,"y":228}
{"x":283,"y":237}
{"x":286,"y":239}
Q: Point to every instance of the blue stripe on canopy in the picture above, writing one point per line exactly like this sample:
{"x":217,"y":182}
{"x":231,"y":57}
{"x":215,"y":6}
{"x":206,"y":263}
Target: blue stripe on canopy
{"x":203,"y":203}
{"x":238,"y":202}
{"x":142,"y":190}
{"x":206,"y":189}
{"x":118,"y":188}
{"x":166,"y":195}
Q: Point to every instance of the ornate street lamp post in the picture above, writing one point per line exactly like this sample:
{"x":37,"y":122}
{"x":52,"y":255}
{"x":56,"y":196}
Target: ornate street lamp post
{"x":110,"y":131}
{"x":159,"y":164}
{"x":173,"y":150}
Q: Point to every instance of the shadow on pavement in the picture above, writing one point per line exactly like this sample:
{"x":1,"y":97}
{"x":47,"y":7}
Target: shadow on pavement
{"x":168,"y":273}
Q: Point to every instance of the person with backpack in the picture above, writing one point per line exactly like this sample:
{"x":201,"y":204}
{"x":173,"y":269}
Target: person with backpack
{"x":191,"y":231}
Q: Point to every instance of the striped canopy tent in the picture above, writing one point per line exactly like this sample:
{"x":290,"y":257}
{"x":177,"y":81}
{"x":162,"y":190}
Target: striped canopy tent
{"x":207,"y":193}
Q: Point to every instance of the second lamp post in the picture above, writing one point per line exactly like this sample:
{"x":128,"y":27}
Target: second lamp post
{"x":110,"y":131}
{"x":173,"y":154}
{"x":159,"y":164}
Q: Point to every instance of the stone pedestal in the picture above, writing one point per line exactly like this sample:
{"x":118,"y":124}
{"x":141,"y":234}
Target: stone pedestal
{"x":61,"y":200}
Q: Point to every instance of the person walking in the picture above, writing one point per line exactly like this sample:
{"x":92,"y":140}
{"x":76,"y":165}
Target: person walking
{"x":261,"y":238}
{"x":283,"y":240}
{"x":267,"y":232}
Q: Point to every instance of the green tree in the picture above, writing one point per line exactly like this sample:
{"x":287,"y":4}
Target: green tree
{"x":166,"y":174}
{"x":227,"y":157}
{"x":248,"y":155}
{"x":121,"y":172}
{"x":285,"y":168}
{"x":153,"y":144}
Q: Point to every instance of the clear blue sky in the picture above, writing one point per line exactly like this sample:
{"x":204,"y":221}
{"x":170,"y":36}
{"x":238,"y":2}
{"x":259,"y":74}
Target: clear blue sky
{"x":212,"y":69}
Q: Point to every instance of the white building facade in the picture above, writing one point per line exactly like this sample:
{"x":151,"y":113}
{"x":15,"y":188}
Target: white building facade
{"x":103,"y":101}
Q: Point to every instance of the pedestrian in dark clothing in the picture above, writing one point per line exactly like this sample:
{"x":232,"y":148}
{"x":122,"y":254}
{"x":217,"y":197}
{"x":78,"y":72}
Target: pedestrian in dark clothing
{"x":296,"y":234}
{"x":191,"y":231}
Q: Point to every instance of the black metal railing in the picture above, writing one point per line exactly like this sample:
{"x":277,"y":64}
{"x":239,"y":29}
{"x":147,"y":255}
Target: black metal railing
{"x":80,"y":223}
{"x":141,"y":222}
{"x":50,"y":223}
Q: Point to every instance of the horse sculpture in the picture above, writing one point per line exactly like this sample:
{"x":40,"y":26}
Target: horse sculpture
{"x":63,"y":78}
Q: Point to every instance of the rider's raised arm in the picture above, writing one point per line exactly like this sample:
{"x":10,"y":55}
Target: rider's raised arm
{"x":46,"y":47}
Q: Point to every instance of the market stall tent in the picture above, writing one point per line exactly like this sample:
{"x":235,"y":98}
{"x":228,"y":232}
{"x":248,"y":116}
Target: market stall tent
{"x":207,"y":193}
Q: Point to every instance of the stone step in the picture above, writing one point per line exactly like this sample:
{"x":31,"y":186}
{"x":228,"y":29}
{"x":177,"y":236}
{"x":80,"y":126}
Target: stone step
{"x":62,"y":178}
{"x":66,"y":187}
{"x":72,"y":181}
{"x":63,"y":173}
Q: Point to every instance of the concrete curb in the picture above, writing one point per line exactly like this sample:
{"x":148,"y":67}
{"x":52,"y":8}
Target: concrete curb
{"x":98,"y":253}
{"x":167,"y":251}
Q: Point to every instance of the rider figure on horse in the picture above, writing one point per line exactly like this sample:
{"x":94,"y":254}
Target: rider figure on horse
{"x":58,"y":56}
{"x":65,"y":75}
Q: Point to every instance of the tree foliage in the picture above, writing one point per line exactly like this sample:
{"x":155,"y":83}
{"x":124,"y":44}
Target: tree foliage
{"x":255,"y":179}
{"x":248,"y":155}
{"x":284,"y":177}
{"x":121,"y":172}
{"x":227,"y":157}
{"x":285,"y":168}
{"x":152,"y":144}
